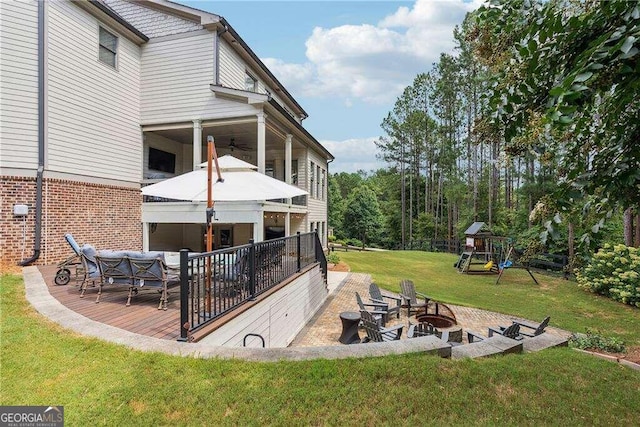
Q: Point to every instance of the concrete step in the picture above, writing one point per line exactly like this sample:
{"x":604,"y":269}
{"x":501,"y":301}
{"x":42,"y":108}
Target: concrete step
{"x":488,"y":347}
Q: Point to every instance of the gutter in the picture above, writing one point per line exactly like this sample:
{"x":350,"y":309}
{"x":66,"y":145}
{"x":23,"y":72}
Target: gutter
{"x":40,"y":170}
{"x":228,"y":28}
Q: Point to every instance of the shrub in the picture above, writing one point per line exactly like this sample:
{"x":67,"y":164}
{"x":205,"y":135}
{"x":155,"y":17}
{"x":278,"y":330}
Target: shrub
{"x":614,"y":272}
{"x":333,"y":258}
{"x":332,"y":238}
{"x":593,"y":341}
{"x":354,"y":242}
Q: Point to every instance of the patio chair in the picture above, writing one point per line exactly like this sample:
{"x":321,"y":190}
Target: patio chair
{"x":115,"y":269}
{"x":421,"y":330}
{"x":512,"y":332}
{"x":151,"y":273}
{"x":234,"y":279}
{"x":380,"y":311}
{"x":377,"y":333}
{"x":410,"y":297}
{"x":90,"y":270}
{"x":536,"y":328}
{"x":376,"y":296}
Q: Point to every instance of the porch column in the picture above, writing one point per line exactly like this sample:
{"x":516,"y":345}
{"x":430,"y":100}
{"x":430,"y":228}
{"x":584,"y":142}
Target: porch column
{"x":287,"y":158}
{"x":258,"y":228}
{"x":287,"y":169}
{"x":145,"y":236}
{"x":287,"y":224}
{"x":262,"y":133}
{"x":197,"y":143}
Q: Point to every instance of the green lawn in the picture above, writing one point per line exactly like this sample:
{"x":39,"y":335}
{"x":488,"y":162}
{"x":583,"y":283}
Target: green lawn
{"x":106,"y":384}
{"x":570,"y":307}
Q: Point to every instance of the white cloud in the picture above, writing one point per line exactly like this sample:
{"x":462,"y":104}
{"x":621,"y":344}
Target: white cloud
{"x":374,"y":63}
{"x":353,"y":155}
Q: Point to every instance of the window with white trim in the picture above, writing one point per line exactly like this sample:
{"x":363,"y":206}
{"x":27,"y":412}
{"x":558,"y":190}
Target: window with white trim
{"x":250,"y":83}
{"x":107,"y":47}
{"x":312,"y":173}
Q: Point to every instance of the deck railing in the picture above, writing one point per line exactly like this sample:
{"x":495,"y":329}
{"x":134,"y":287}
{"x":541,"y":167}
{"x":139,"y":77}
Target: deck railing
{"x":214,"y":283}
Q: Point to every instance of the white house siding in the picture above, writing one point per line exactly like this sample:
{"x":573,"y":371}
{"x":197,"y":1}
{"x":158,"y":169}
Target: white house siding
{"x":317,"y":205}
{"x":176,"y":78}
{"x":152,"y":23}
{"x":93,"y":109}
{"x":278,"y":318}
{"x":232,"y":68}
{"x":19,"y":84}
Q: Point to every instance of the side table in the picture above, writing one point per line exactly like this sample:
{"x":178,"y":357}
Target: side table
{"x":350,"y":321}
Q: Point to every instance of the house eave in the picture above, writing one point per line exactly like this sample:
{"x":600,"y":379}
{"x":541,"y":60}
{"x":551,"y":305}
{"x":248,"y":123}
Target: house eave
{"x":239,"y":95}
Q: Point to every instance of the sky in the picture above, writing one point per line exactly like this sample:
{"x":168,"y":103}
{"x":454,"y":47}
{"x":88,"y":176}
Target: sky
{"x":345,"y":62}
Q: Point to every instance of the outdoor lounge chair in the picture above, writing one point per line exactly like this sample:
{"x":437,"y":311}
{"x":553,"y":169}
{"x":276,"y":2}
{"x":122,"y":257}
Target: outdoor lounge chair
{"x":536,"y":328}
{"x":377,"y":333}
{"x":115,"y":270}
{"x":512,"y":332}
{"x":90,"y":269}
{"x":410,"y":297}
{"x":380,"y":311}
{"x":421,"y":330}
{"x":150,"y":273}
{"x":376,"y":296}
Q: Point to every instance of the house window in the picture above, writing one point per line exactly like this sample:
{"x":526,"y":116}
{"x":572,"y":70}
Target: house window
{"x":323,"y":180}
{"x":268,"y":169}
{"x":250,"y":83}
{"x":294,"y":172}
{"x":312,"y":187}
{"x":108,"y":47}
{"x":319,"y":189}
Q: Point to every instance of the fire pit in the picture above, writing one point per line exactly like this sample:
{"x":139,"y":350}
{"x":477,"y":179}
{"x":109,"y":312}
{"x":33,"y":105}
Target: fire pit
{"x":441,"y":316}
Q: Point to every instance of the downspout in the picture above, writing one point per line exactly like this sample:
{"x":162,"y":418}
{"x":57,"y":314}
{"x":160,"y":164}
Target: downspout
{"x":38,"y":218}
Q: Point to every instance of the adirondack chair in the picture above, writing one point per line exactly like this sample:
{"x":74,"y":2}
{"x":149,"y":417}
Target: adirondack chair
{"x":376,"y":296}
{"x":536,"y":328}
{"x":377,"y":333}
{"x":512,"y":332}
{"x":380,"y":310}
{"x":410,"y":297}
{"x":421,"y":330}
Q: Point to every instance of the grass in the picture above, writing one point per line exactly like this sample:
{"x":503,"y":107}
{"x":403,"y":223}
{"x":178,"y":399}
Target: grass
{"x":106,"y":384}
{"x":569,"y":306}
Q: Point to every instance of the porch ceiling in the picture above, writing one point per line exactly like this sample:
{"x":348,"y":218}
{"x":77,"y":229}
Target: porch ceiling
{"x":245,"y":136}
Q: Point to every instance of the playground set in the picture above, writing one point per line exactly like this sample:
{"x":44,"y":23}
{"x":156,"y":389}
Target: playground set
{"x":486,"y":253}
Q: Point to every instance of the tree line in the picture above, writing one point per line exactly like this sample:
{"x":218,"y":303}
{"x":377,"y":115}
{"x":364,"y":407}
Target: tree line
{"x":531,"y":126}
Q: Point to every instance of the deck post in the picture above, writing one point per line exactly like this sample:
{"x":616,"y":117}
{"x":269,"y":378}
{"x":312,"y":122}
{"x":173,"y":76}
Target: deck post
{"x":184,"y":295}
{"x":252,"y":270}
{"x":298,"y":250}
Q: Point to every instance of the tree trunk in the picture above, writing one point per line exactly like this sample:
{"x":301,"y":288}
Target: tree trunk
{"x":636,"y":241}
{"x":628,"y":227}
{"x":570,"y":241}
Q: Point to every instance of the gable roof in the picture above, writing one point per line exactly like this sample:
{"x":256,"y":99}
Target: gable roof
{"x":476,"y":228}
{"x":114,"y":19}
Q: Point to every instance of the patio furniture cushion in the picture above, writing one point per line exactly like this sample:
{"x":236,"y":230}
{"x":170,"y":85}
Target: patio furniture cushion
{"x":88,"y":255}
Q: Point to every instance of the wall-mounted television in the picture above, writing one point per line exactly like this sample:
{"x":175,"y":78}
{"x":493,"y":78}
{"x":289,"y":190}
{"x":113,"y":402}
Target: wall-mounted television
{"x":161,"y":160}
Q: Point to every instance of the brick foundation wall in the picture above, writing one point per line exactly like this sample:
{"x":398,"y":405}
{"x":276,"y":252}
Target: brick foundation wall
{"x":108,"y":217}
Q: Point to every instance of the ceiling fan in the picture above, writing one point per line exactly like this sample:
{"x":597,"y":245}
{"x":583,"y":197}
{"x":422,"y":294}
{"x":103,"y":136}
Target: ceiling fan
{"x":232,"y":146}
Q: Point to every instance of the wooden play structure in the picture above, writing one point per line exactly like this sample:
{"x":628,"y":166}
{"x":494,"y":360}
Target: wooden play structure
{"x":483,"y":251}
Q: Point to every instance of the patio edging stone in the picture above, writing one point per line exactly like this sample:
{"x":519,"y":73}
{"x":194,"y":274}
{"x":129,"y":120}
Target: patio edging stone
{"x":37,"y":294}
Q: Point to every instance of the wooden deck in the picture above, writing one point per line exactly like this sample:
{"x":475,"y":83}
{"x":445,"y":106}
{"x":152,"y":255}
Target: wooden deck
{"x":141,"y":317}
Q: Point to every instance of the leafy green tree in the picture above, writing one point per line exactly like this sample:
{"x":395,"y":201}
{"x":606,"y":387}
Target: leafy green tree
{"x":362,"y":216}
{"x":574,"y":65}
